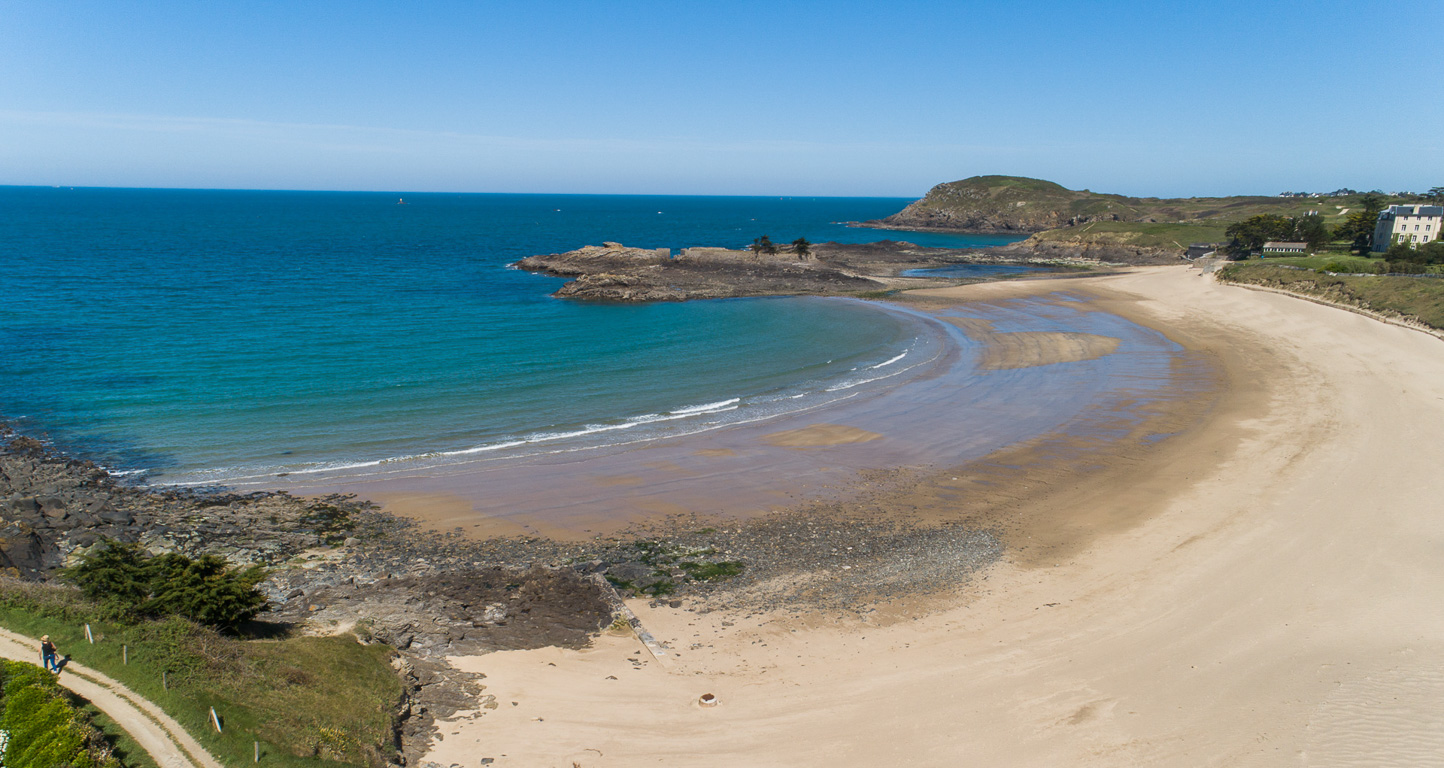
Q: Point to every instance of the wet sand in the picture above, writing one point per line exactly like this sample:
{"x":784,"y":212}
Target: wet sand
{"x":994,"y":381}
{"x":1256,"y":589}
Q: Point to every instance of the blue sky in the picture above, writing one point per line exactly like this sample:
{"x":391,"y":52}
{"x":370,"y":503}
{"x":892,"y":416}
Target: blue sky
{"x":679,"y":97}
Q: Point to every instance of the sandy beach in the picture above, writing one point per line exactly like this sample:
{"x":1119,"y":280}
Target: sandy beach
{"x":1256,"y":589}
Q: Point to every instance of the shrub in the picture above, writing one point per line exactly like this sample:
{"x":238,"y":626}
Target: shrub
{"x":206,"y":590}
{"x":45,"y":731}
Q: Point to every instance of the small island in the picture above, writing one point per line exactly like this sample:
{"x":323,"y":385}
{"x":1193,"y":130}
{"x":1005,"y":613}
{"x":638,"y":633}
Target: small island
{"x":615,"y":272}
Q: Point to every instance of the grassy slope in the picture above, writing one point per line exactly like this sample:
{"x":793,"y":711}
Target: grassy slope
{"x":1320,"y":260}
{"x":1420,"y":299}
{"x":1141,"y":234}
{"x":309,"y":701}
{"x":1002,"y":196}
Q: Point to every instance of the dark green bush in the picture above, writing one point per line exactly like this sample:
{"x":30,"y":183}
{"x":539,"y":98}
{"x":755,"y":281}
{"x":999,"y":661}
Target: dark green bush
{"x":137,"y":585}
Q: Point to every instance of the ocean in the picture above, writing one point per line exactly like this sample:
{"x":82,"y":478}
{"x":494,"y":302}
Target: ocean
{"x":203,"y":337}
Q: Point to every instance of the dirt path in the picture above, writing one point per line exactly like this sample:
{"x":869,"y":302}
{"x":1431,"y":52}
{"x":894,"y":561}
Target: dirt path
{"x":156,"y":732}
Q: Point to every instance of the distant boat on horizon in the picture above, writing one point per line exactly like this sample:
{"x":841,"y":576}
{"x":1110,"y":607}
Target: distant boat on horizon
{"x":401,"y":201}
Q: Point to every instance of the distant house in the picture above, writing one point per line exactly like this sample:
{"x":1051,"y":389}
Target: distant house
{"x":1279,"y":249}
{"x":1412,"y":224}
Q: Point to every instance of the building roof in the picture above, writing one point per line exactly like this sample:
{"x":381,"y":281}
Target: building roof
{"x":1412,"y":210}
{"x":1276,"y":246}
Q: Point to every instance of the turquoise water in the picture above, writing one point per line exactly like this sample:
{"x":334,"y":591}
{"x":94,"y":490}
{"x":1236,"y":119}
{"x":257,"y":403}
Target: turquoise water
{"x":201,"y":336}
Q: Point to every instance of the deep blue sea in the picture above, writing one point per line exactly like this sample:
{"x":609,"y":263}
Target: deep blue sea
{"x":198,"y":336}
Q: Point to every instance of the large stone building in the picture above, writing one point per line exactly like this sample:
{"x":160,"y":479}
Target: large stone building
{"x":1413,"y":224}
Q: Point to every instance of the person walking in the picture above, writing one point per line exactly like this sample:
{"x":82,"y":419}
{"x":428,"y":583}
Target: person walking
{"x":48,"y":658}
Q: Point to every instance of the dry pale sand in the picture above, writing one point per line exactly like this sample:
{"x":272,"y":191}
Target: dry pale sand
{"x":1262,"y":590}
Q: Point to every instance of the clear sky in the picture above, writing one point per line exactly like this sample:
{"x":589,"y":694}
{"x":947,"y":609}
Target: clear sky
{"x":721,"y":97}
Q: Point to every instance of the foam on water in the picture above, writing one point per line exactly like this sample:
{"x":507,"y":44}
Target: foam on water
{"x":205,"y":337}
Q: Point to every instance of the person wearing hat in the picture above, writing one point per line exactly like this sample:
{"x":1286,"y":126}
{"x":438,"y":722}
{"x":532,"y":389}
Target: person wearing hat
{"x":47,"y":655}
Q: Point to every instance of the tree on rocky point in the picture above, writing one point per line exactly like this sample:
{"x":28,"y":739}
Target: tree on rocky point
{"x":801,"y":247}
{"x":763,"y":245}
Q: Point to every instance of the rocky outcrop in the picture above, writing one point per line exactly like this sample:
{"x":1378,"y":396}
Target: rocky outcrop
{"x":617,"y":273}
{"x":335,"y":557}
{"x":613,"y":272}
{"x":53,"y":508}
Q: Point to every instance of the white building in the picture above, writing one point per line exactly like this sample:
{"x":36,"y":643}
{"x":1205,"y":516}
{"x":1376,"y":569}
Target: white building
{"x":1277,"y":248}
{"x":1409,"y":224}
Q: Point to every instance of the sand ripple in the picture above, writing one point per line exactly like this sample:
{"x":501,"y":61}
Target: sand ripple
{"x":1390,"y":718}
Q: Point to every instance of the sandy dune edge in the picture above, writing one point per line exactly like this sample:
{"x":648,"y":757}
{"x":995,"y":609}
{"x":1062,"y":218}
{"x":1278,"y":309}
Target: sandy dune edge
{"x":1272,"y":601}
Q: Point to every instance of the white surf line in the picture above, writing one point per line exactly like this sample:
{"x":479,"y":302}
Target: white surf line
{"x":614,"y":599}
{"x":155,"y":731}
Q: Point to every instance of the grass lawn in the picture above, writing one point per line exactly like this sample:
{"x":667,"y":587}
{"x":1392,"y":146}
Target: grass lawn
{"x":1319,"y":260}
{"x":1140,"y":234}
{"x":1418,"y":298}
{"x":309,"y":701}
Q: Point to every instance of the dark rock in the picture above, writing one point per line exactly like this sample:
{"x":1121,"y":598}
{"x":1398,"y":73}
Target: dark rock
{"x":633,"y":573}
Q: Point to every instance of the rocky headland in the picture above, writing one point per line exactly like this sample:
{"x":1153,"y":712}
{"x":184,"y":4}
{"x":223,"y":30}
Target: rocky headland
{"x":614,"y":272}
{"x":1089,"y":225}
{"x":1011,"y":205}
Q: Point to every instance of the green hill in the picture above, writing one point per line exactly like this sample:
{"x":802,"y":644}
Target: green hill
{"x":1013,"y":204}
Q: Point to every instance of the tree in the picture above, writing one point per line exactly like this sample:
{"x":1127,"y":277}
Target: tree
{"x":206,"y":590}
{"x":1249,"y":235}
{"x":115,"y":574}
{"x":763,"y":245}
{"x":801,"y":247}
{"x":1402,"y":250}
{"x":1432,"y":252}
{"x":1405,"y":252}
{"x":1358,"y":227}
{"x":1435,"y":193}
{"x":1311,"y":229}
